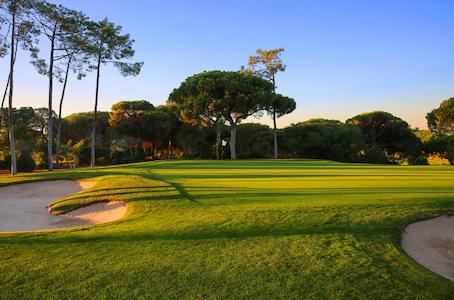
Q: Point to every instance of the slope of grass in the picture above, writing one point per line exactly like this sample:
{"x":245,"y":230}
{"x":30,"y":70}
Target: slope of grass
{"x":235,"y":229}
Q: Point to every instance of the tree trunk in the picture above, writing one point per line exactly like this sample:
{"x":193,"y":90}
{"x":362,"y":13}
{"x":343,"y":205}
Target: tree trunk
{"x":169,"y":154}
{"x":57,"y":146}
{"x":93,"y":133}
{"x":218,"y":141}
{"x":3,"y":101}
{"x":233,"y":141}
{"x":276,"y":152}
{"x":50,"y":124}
{"x":6,"y":90}
{"x":12,"y":141}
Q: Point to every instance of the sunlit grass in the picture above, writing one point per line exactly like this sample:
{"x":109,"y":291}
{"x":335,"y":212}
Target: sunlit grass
{"x":236,"y":229}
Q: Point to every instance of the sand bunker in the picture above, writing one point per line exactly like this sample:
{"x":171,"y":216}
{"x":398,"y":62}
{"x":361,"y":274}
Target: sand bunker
{"x":431,"y":243}
{"x":23,"y":207}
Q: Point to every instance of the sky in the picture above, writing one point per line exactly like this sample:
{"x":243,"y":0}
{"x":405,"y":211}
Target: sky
{"x":343,"y":57}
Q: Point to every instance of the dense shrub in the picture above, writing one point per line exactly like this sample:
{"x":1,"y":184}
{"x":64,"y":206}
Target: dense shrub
{"x":417,"y":160}
{"x":40,"y":159}
{"x":450,"y":150}
{"x":437,"y":144}
{"x":387,"y":133}
{"x":5,"y":159}
{"x":254,"y":141}
{"x":376,"y":156}
{"x":194,"y":141}
{"x":25,"y":162}
{"x":324,"y":139}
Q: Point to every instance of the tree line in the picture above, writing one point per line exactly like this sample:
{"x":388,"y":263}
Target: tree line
{"x":135,"y":131}
{"x":76,"y":45}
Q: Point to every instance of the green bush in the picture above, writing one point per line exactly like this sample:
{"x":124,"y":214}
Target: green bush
{"x":40,"y":159}
{"x":417,"y":160}
{"x":450,"y":150}
{"x":5,"y":161}
{"x":139,"y":155}
{"x":254,"y":141}
{"x":323,"y":139}
{"x":25,"y":162}
{"x":376,"y":156}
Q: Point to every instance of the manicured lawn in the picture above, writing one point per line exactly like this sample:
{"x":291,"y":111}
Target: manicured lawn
{"x":236,"y":230}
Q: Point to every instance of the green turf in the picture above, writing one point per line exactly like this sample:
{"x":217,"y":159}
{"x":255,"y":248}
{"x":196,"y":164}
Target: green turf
{"x":288,"y":229}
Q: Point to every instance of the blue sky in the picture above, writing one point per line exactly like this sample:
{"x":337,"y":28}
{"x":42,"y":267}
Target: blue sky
{"x":343,"y":57}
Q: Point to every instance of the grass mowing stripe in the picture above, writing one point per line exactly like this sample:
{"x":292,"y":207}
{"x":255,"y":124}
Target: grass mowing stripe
{"x":253,"y":229}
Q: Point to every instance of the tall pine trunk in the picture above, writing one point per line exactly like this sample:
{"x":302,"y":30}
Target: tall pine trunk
{"x":50,"y":125}
{"x":5,"y":93}
{"x":93,"y":133}
{"x":57,"y":146}
{"x":12,"y":141}
{"x":276,"y":151}
{"x":3,"y":101}
{"x":233,"y":140}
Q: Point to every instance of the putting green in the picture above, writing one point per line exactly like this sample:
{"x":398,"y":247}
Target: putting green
{"x":236,"y":229}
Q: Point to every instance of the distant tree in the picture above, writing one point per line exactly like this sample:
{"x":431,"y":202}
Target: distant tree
{"x":199,"y":100}
{"x":5,"y":93}
{"x":217,"y":96}
{"x":441,"y":119}
{"x":25,"y":33}
{"x":435,"y":143}
{"x":324,"y":139}
{"x":450,"y":150}
{"x":386,"y":132}
{"x":193,"y":140}
{"x":140,"y":121}
{"x":30,"y":128}
{"x":254,"y":141}
{"x":4,"y":32}
{"x":159,"y":128}
{"x":75,"y":61}
{"x":78,"y":128}
{"x":16,"y":14}
{"x":40,"y":122}
{"x":244,"y":95}
{"x":280,"y":106}
{"x":131,"y":117}
{"x":3,"y":36}
{"x":266,"y":64}
{"x":61,"y":26}
{"x":105,"y":43}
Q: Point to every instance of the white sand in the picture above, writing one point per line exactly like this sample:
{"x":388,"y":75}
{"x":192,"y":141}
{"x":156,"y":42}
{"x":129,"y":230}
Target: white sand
{"x":101,"y":212}
{"x":431,"y":243}
{"x":23,"y":207}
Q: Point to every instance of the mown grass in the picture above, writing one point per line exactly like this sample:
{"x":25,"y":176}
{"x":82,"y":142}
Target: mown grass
{"x":286,"y":229}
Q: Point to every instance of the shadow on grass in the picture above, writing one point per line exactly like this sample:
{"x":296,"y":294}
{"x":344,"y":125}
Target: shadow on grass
{"x":136,"y":193}
{"x":206,"y":234}
{"x":183,"y":192}
{"x":97,"y":172}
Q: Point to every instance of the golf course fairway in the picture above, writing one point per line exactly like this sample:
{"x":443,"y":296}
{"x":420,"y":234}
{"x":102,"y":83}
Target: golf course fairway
{"x":289,"y":229}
